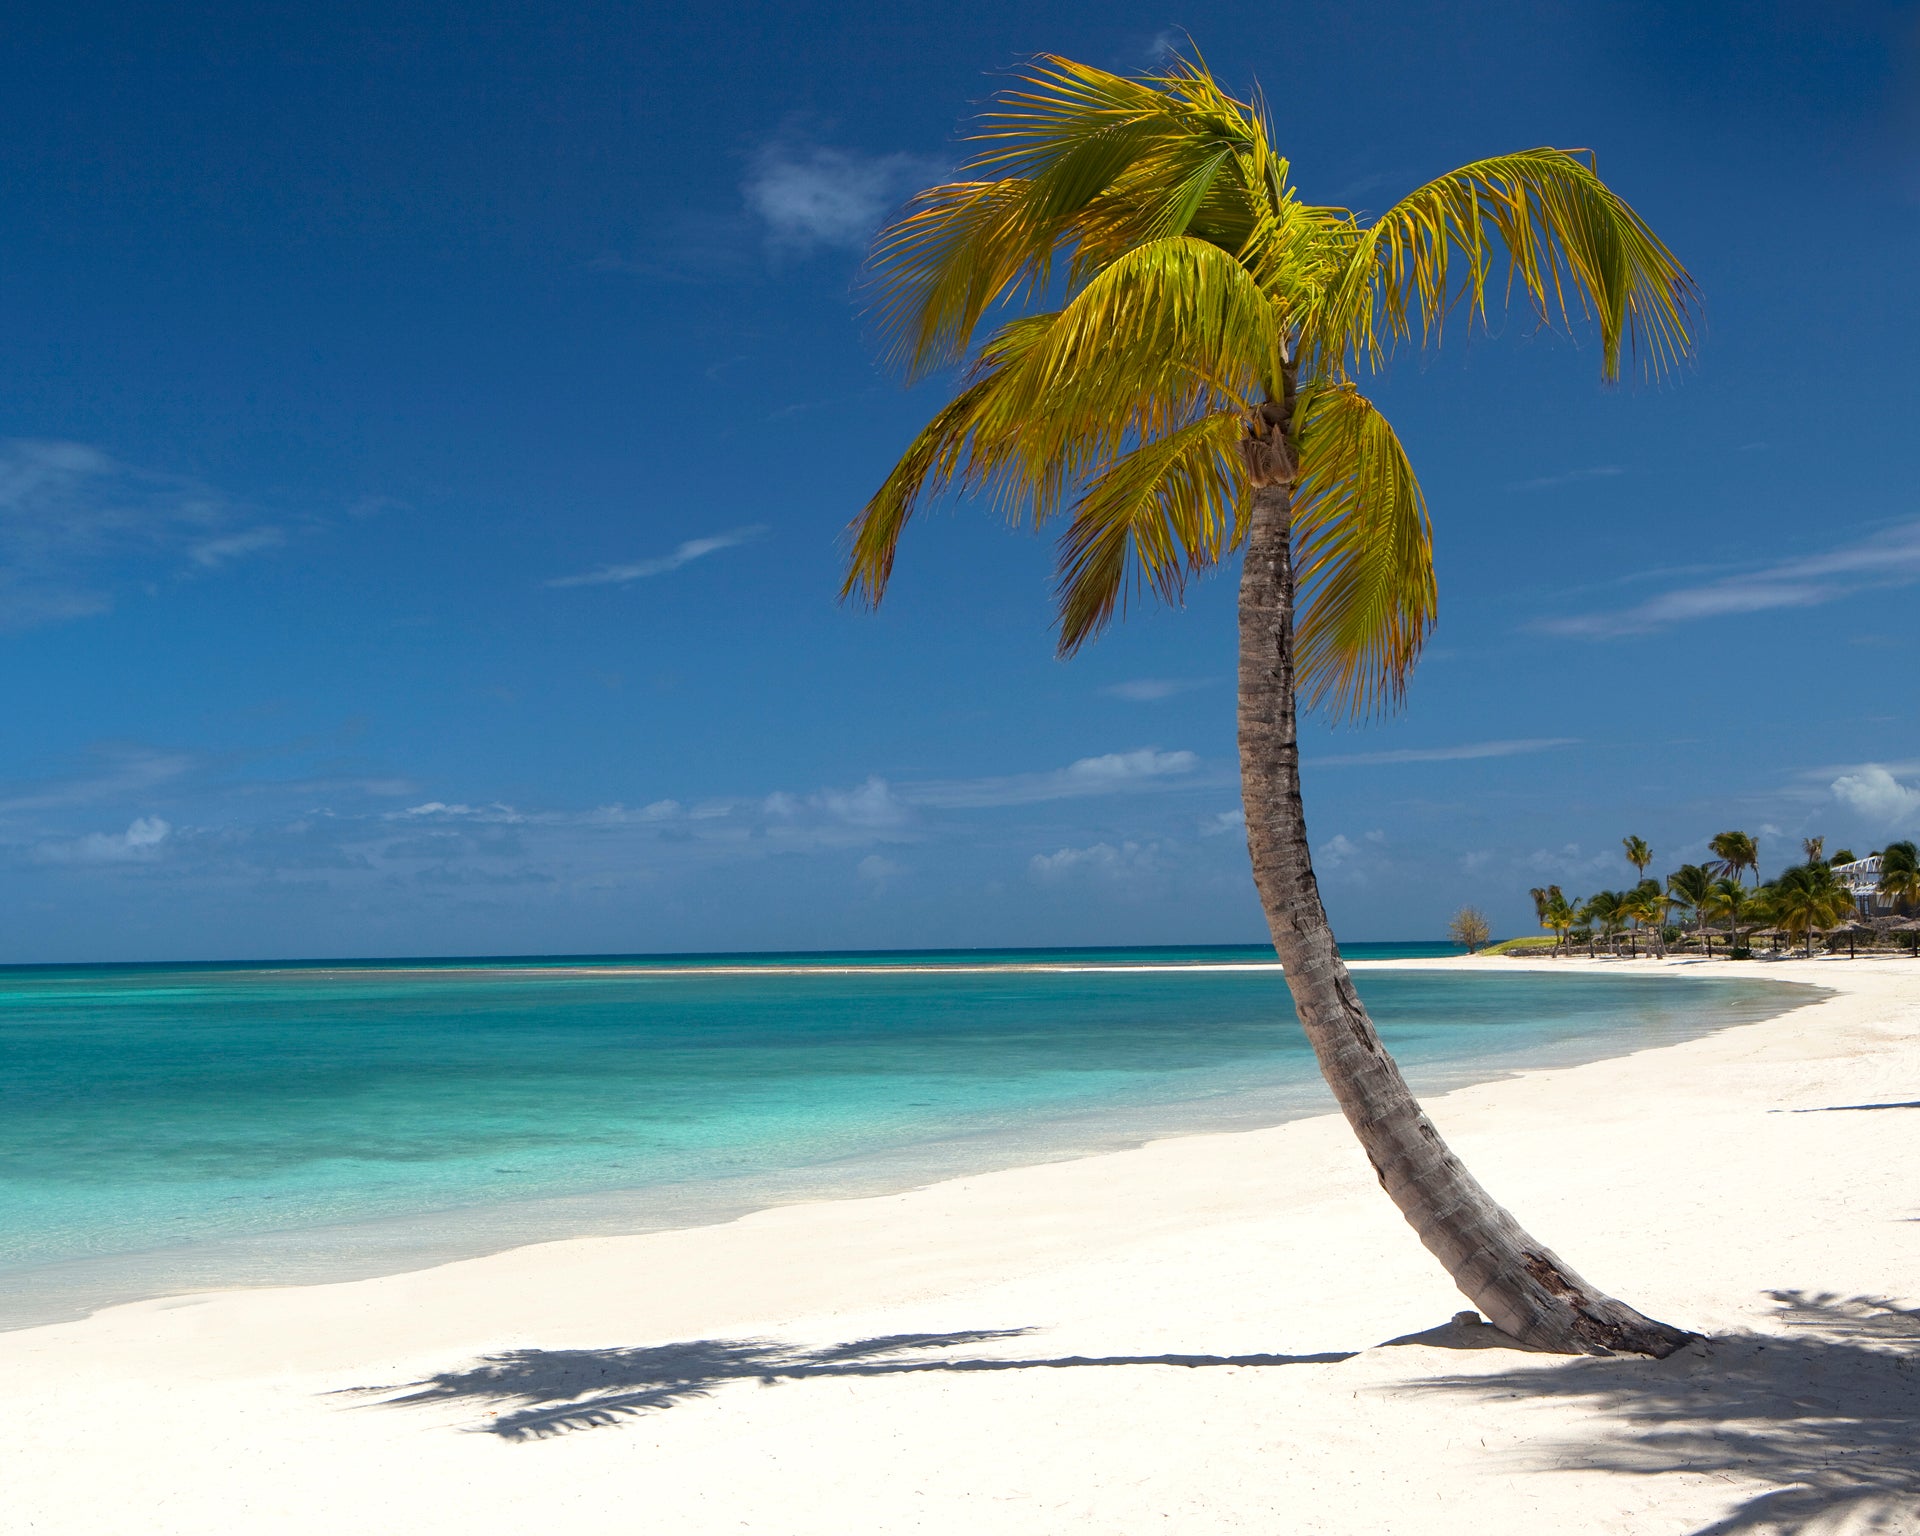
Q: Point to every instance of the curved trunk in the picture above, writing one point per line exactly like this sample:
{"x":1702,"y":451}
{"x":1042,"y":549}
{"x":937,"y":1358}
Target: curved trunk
{"x":1522,"y":1287}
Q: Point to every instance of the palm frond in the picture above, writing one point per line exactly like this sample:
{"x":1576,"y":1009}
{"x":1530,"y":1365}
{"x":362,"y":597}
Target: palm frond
{"x":1154,"y":517}
{"x":1364,"y":558}
{"x":1570,"y":244}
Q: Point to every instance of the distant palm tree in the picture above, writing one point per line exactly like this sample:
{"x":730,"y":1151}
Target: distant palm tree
{"x":1841,"y":856}
{"x":1731,"y":900}
{"x":1173,"y":372}
{"x":1650,"y":904}
{"x":1900,"y":875}
{"x":1559,"y":916}
{"x":1638,"y":854}
{"x":1813,"y":849}
{"x":1691,"y":887}
{"x":1608,"y":909}
{"x":1737,"y":851}
{"x":1806,"y":899}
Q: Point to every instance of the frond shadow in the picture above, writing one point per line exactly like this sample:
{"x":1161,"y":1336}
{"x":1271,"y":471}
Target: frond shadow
{"x":1826,"y":1419}
{"x":550,"y":1392}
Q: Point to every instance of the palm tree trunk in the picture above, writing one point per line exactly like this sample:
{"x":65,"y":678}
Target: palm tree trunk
{"x":1522,"y":1287}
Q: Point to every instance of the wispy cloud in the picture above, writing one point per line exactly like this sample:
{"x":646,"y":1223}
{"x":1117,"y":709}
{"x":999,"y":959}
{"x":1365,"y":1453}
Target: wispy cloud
{"x":1568,"y":477}
{"x":118,"y":775}
{"x":1112,"y":773}
{"x":1463,"y":753}
{"x":214,"y":553}
{"x":809,"y":196}
{"x":77,"y":526}
{"x":1152,"y":690}
{"x":1891,"y":558}
{"x":660,"y":565}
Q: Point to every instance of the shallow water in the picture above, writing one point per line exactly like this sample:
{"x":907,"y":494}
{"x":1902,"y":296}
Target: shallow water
{"x":176,"y":1128}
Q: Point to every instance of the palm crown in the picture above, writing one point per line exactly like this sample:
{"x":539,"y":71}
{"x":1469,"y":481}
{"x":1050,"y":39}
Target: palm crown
{"x":1205,"y":333}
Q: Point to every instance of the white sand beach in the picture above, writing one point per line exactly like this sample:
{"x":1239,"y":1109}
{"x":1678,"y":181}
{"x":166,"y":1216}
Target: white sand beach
{"x":1192,"y":1336}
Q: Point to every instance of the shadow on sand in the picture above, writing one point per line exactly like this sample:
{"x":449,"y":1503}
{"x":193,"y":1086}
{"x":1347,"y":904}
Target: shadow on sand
{"x":1827,"y":1416}
{"x":535,"y":1393}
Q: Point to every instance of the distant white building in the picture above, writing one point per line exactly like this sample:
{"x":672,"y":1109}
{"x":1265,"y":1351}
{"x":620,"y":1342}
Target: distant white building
{"x":1862,"y":877}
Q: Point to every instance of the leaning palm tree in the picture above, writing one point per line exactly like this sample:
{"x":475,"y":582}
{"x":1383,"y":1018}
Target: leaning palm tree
{"x":1900,"y":875}
{"x":1170,"y":365}
{"x":1639,"y":855}
{"x":1737,"y":852}
{"x":1691,"y":888}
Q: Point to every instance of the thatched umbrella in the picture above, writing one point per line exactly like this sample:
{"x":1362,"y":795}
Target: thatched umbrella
{"x":1852,"y":927}
{"x":1907,"y":925}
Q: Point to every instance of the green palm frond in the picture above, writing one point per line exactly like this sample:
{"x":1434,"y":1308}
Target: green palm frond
{"x":1364,"y":558}
{"x":1570,"y":244}
{"x":1159,"y":514}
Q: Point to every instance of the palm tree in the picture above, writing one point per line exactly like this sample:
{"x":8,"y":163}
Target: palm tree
{"x":1691,"y":887}
{"x":1813,"y":849}
{"x":1648,"y":903}
{"x":1559,"y":916}
{"x":1900,"y":875}
{"x":1602,"y":910}
{"x":1806,"y":899}
{"x":1639,"y":855}
{"x":1175,"y":360}
{"x":1730,"y":899}
{"x":1737,"y":851}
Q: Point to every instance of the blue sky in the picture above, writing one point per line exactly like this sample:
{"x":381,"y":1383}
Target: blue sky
{"x":428,"y":432}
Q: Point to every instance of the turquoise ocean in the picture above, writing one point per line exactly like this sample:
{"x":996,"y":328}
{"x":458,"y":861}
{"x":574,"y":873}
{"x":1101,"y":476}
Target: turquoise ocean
{"x":185,"y":1127}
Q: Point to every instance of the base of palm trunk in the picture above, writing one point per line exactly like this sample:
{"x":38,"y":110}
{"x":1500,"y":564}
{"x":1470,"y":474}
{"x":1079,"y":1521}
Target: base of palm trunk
{"x":1553,"y":1309}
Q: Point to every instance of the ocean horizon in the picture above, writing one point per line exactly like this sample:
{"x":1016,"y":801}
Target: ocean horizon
{"x":183,"y":1127}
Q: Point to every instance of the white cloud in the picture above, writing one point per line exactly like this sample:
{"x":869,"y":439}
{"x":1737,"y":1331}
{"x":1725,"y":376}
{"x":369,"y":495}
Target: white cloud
{"x":810,"y":196}
{"x":1152,"y":690}
{"x":1471,"y":750}
{"x":1890,"y":558}
{"x":140,"y":841}
{"x":684,"y":554}
{"x":871,"y":805}
{"x":439,"y":810}
{"x":1881,"y":798}
{"x":879,"y":872}
{"x":1111,"y":773}
{"x":1103,"y":859}
{"x":1221,"y":822}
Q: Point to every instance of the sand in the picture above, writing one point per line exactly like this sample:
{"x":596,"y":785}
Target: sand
{"x":1192,"y":1336}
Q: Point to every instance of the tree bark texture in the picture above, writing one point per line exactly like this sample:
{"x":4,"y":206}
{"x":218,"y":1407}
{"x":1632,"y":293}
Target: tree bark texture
{"x":1521,"y":1286}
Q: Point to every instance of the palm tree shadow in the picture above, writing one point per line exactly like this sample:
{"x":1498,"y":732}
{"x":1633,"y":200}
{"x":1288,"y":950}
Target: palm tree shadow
{"x":1827,"y":1417}
{"x":548,"y":1392}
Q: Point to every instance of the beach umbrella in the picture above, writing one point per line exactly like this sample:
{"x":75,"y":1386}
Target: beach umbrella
{"x":1908,"y":925}
{"x":1852,"y":928}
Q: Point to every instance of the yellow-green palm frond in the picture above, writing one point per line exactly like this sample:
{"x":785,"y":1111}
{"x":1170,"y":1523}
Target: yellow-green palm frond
{"x":1074,"y":161}
{"x":1363,"y":557}
{"x":1153,"y":517}
{"x":969,"y":441}
{"x":1570,"y":243}
{"x":1160,"y":320}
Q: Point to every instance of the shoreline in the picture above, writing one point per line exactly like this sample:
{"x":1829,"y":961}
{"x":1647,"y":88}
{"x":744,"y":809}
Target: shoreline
{"x":377,"y":1246}
{"x":1193,"y":1331}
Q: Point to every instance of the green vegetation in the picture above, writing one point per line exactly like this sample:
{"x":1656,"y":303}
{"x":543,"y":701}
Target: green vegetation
{"x":1803,"y":902}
